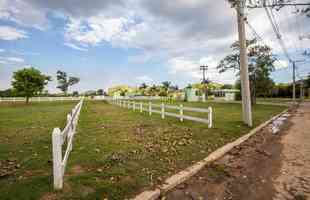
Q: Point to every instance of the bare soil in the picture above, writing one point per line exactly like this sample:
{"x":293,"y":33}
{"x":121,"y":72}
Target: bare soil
{"x":267,"y":166}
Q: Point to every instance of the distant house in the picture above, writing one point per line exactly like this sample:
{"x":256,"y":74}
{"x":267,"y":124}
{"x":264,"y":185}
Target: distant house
{"x":177,"y":95}
{"x":225,"y":94}
{"x":192,"y":95}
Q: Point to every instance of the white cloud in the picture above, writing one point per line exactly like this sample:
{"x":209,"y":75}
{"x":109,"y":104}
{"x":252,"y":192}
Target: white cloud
{"x":24,"y":13}
{"x":183,"y":33}
{"x":11,"y":60}
{"x":10,"y":33}
{"x":25,"y":53}
{"x":145,"y":79}
{"x":2,"y":50}
{"x":97,"y":29}
{"x":186,"y":66}
{"x":73,"y":46}
{"x":281,"y":64}
{"x":15,"y":59}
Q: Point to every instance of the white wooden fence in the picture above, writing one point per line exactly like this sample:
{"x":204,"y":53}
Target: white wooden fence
{"x":151,"y":108}
{"x":39,"y":99}
{"x":59,"y":138}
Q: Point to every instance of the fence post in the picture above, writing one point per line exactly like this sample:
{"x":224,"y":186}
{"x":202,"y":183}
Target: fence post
{"x":181,"y":113}
{"x":163,"y":111}
{"x":57,"y":159}
{"x":210,"y":117}
{"x":141,"y":108}
{"x":150,"y":108}
{"x":134,"y":106}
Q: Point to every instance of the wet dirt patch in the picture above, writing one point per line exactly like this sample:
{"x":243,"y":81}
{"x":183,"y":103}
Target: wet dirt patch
{"x":49,"y":196}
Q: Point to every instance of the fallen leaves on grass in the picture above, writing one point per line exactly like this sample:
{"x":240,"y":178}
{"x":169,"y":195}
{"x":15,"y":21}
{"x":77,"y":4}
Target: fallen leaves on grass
{"x":8,"y":167}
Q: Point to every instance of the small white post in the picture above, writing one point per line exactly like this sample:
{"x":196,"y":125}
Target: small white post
{"x":14,"y":99}
{"x":163,"y":111}
{"x":57,"y":159}
{"x":150,"y":108}
{"x":210,"y":117}
{"x":134,"y":106}
{"x":128,"y":104}
{"x":141,"y":107}
{"x":181,"y":113}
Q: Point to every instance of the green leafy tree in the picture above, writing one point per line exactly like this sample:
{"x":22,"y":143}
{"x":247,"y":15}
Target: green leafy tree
{"x":166,"y":84}
{"x":153,"y":90}
{"x":143,"y":89}
{"x":64,"y":82}
{"x":75,"y":93}
{"x":260,"y":66}
{"x":29,"y":82}
{"x":227,"y":86}
{"x":307,"y":81}
{"x":100,"y":92}
{"x":7,"y":93}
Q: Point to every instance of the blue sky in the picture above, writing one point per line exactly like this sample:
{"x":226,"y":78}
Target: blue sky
{"x":112,"y":42}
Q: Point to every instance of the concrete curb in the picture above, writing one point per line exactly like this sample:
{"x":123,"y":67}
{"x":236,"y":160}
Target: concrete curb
{"x":184,"y":175}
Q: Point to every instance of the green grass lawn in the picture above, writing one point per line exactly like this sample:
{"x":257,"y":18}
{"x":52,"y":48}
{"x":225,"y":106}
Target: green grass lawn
{"x":117,"y":152}
{"x":25,"y":147}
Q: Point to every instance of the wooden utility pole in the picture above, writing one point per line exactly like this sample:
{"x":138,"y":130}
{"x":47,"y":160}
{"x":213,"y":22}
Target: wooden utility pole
{"x":244,"y":71}
{"x":294,"y":78}
{"x":294,"y":82}
{"x":204,"y":69}
{"x":302,"y":89}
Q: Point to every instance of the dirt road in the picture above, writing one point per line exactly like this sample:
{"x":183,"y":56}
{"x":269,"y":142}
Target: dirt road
{"x":267,"y":166}
{"x":294,"y":177}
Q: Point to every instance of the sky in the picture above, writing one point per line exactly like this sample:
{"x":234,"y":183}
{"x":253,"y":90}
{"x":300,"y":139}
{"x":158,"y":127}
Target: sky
{"x":111,"y":42}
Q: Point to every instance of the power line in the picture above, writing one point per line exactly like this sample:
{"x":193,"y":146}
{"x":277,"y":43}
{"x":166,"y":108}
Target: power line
{"x":276,"y":5}
{"x":276,"y":30}
{"x":256,"y":35}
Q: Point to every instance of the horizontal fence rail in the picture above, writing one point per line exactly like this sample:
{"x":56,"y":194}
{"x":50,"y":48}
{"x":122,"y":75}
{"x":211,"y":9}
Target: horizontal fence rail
{"x":59,"y":138}
{"x":162,"y":110}
{"x":39,"y":99}
{"x":76,"y":98}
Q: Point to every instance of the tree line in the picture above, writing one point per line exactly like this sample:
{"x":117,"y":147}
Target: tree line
{"x":29,"y":82}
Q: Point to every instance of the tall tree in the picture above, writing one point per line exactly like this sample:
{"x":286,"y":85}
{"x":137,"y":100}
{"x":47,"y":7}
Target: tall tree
{"x":64,"y":82}
{"x":307,"y":81}
{"x":260,"y":65}
{"x":100,"y":92}
{"x":166,"y":84}
{"x":29,"y":82}
{"x":143,"y":88}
